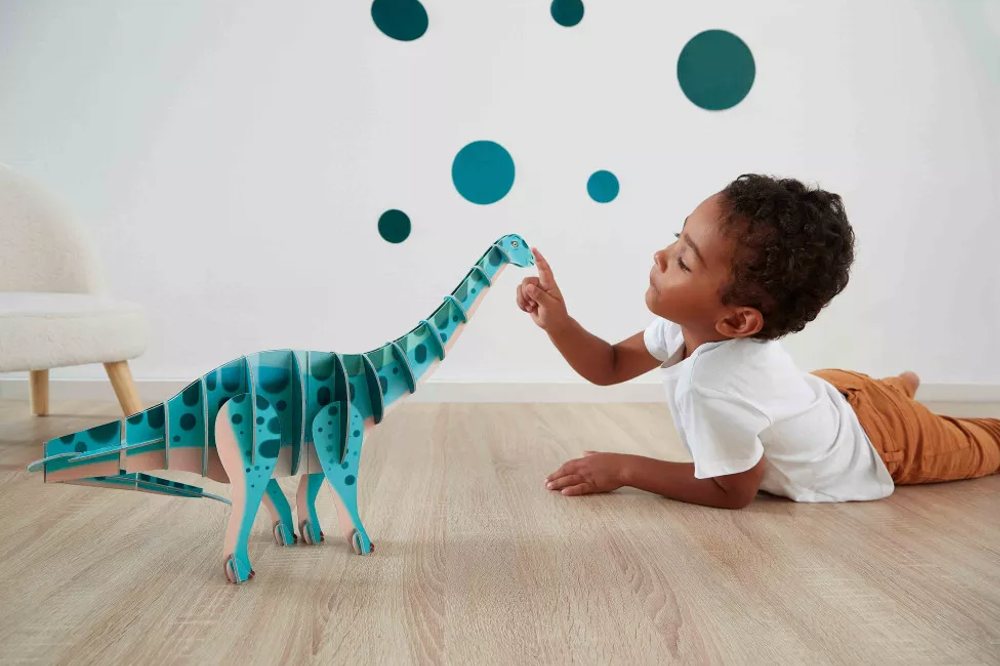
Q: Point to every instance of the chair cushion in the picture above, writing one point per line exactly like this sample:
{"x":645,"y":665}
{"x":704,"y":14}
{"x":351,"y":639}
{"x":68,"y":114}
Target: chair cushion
{"x":41,"y":330}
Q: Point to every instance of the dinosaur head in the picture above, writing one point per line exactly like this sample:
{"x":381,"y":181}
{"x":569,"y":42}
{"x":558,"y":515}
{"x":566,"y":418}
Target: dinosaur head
{"x":517,"y":250}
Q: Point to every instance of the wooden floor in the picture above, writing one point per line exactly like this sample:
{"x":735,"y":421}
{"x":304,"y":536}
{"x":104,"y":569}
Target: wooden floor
{"x":477,"y":563}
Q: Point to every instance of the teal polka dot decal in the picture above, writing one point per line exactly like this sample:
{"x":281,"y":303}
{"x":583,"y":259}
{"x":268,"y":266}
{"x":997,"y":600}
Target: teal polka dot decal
{"x":602,"y":186}
{"x":716,"y":70}
{"x":404,"y":20}
{"x":483,"y":172}
{"x":394,"y":226}
{"x":567,"y":12}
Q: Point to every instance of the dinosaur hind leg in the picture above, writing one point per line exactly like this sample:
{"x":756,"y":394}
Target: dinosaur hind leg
{"x":281,"y":514}
{"x":249,"y":472}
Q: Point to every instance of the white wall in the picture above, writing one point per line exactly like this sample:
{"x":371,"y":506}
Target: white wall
{"x":234,"y":157}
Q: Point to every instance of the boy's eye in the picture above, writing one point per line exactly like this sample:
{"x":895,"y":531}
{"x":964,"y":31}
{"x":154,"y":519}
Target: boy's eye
{"x":684,"y":267}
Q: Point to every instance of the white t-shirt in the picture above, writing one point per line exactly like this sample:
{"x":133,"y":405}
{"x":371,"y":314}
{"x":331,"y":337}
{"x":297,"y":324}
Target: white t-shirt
{"x":735,"y":400}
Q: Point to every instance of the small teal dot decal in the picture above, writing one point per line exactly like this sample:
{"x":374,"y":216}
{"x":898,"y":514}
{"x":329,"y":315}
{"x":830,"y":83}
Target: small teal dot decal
{"x":483,"y":172}
{"x":567,"y":12}
{"x":394,"y":226}
{"x":404,"y":20}
{"x":715,"y":70}
{"x":602,"y":186}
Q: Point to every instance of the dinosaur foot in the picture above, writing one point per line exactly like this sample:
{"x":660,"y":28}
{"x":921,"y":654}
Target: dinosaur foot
{"x":357,"y":543}
{"x":283,"y":536}
{"x":234,"y":574}
{"x":310,"y":534}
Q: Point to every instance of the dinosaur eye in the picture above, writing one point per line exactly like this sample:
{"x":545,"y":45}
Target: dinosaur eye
{"x":513,"y":243}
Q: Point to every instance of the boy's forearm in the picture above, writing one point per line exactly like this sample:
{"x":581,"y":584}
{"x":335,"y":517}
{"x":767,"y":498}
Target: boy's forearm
{"x":590,"y":356}
{"x":674,"y":480}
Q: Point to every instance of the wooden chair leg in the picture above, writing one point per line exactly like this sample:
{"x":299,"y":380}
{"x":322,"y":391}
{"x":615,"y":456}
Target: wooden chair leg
{"x":121,"y":381}
{"x":38,"y":380}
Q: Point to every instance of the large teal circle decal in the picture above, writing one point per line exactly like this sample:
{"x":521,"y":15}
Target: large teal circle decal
{"x":567,"y":13}
{"x":716,"y":70}
{"x":394,"y":226}
{"x":483,"y":172}
{"x":602,"y":186}
{"x":404,"y":20}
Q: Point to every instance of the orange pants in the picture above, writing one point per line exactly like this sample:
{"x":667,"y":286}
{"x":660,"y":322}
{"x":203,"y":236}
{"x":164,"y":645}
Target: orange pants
{"x":917,"y":445}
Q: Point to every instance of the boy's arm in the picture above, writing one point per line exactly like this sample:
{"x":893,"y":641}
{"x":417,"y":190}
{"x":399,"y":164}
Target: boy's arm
{"x":604,"y":472}
{"x":593,"y":358}
{"x":596,"y":360}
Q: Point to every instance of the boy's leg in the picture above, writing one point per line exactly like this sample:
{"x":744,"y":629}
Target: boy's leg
{"x":917,"y":445}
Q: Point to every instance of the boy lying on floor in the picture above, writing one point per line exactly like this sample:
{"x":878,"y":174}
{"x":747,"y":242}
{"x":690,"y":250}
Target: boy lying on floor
{"x":752,"y":263}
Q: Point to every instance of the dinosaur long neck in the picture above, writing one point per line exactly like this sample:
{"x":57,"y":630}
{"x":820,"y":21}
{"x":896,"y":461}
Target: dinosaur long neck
{"x":425,"y":345}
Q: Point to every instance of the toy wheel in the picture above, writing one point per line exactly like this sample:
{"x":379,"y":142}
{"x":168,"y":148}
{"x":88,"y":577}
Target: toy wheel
{"x":356,"y":544}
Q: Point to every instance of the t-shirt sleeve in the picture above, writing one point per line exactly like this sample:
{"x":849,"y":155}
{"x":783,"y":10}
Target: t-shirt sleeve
{"x":663,"y":339}
{"x":723,"y":433}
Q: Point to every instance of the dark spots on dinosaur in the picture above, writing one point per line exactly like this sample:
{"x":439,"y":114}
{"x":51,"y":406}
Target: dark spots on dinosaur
{"x":105,"y":433}
{"x":274,"y":380}
{"x":248,"y":470}
{"x":176,"y":438}
{"x":323,"y":396}
{"x":395,"y":370}
{"x":333,"y":409}
{"x":260,"y":420}
{"x":66,"y":439}
{"x":356,"y":433}
{"x":274,"y":425}
{"x":319,"y":430}
{"x":188,"y":422}
{"x":494,"y":257}
{"x":191,"y":394}
{"x":329,"y":449}
{"x":232,"y":377}
{"x":474,"y":290}
{"x":455,"y":319}
{"x":383,"y":383}
{"x":262,"y":402}
{"x":80,"y":448}
{"x":211,"y":381}
{"x":136,"y":419}
{"x":444,"y":337}
{"x":352,"y":393}
{"x":269,"y":448}
{"x":280,"y":405}
{"x":345,"y":465}
{"x":420,"y":353}
{"x":155,"y":419}
{"x":238,"y":400}
{"x":236,"y":419}
{"x":349,"y":479}
{"x":322,"y":370}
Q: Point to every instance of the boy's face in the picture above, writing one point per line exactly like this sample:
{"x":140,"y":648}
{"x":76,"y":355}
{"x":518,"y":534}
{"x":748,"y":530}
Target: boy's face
{"x":689,"y":274}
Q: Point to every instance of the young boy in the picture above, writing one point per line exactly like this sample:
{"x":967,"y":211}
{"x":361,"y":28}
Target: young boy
{"x":755,"y":262}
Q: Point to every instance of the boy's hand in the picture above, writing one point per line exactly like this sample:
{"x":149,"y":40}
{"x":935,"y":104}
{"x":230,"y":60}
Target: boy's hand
{"x":540,"y":296}
{"x":593,"y":473}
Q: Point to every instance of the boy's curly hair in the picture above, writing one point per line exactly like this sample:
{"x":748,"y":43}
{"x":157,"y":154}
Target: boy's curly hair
{"x":794,"y":249}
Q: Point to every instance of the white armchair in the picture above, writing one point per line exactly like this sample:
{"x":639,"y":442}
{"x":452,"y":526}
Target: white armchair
{"x":54,"y":309}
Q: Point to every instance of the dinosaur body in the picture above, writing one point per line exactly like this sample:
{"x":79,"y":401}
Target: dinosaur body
{"x":276,"y":413}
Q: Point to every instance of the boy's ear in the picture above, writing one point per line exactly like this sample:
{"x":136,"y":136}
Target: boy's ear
{"x":742,"y":322}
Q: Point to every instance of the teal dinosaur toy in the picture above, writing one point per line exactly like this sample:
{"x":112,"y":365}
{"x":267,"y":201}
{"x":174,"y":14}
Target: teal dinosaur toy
{"x":272,"y":414}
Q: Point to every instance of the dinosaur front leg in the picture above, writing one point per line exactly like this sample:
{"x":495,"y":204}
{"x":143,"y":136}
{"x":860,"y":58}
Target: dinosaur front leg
{"x":249,"y":472}
{"x":281,"y":514}
{"x":342,"y":471}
